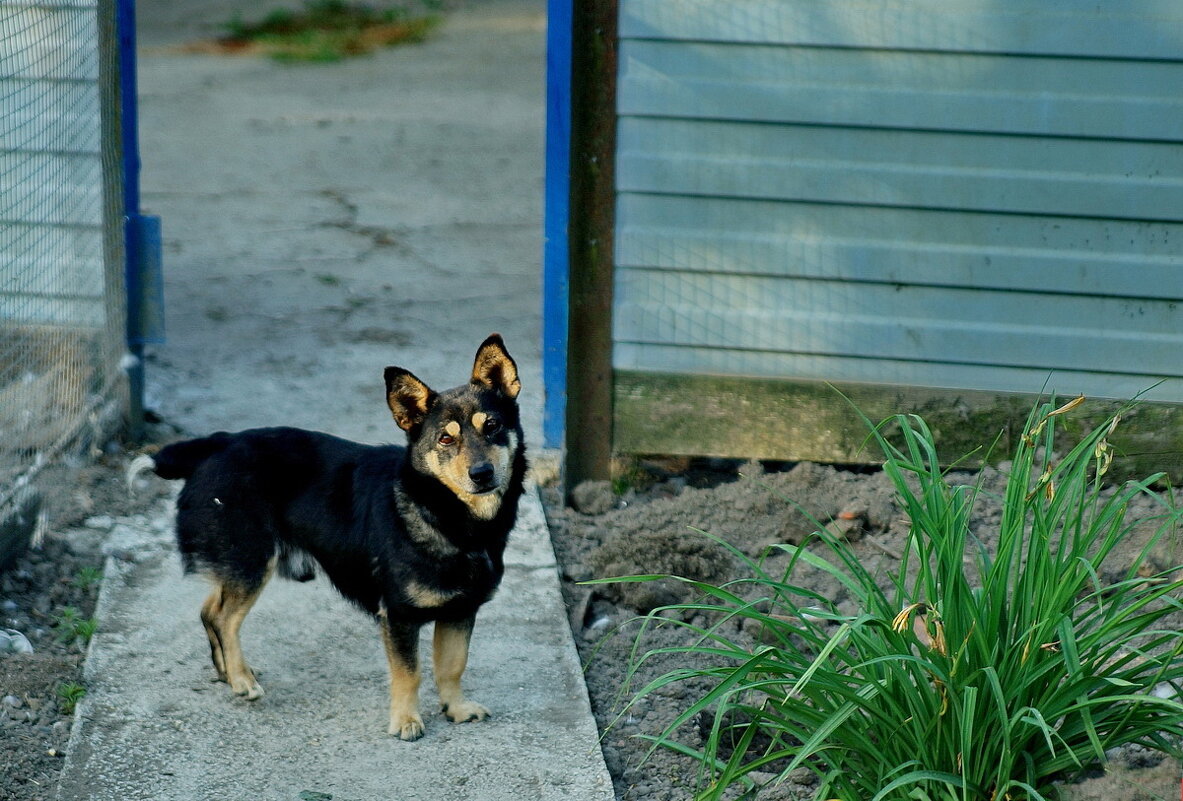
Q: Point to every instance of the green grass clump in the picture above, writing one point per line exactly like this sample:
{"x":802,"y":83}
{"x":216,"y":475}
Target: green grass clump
{"x":329,"y":30}
{"x":88,"y":578}
{"x":72,"y":627}
{"x":69,"y":693}
{"x":980,"y":672}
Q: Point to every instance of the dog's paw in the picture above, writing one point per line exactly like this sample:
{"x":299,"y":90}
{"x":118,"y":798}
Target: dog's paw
{"x":465,"y":712}
{"x":249,"y":689}
{"x":407,"y":727}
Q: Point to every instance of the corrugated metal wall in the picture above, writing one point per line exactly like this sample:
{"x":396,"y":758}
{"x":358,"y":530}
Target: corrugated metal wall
{"x":933,"y":193}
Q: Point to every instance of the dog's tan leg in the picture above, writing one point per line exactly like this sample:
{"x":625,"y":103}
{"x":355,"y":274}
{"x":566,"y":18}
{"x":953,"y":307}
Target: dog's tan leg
{"x":236,"y":603}
{"x":209,"y":615}
{"x":402,"y":655}
{"x":222,"y":614}
{"x":449,"y":658}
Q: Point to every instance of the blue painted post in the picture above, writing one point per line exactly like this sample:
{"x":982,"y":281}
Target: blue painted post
{"x":557,"y":208}
{"x":125,"y":26}
{"x":142,"y":239}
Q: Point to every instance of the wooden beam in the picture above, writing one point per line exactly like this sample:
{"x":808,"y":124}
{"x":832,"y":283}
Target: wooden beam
{"x":588,"y":441}
{"x":768,"y":419}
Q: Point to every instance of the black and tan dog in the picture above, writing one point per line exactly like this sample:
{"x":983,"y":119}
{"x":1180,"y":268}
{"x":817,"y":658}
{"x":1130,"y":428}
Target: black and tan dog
{"x":411,"y":535}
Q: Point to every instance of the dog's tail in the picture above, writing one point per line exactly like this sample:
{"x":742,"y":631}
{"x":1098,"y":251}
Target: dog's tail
{"x":178,"y":460}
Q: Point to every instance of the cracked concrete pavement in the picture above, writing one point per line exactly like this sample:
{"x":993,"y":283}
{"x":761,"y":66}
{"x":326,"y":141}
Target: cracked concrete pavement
{"x":321,"y":222}
{"x":382,"y":208}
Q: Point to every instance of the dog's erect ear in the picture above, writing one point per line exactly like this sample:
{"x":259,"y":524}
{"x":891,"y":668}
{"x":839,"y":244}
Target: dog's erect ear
{"x":494,"y":368}
{"x":409,"y":398}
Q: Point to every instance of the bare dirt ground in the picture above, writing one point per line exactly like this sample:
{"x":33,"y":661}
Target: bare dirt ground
{"x":646,"y":529}
{"x":47,"y":588}
{"x":649,"y":529}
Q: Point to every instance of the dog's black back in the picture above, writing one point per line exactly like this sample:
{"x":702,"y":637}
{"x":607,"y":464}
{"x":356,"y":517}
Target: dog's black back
{"x":280,"y":493}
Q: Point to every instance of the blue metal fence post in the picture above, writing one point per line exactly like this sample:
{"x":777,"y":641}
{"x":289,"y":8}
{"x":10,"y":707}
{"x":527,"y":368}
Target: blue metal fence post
{"x":142,"y":238}
{"x":557,"y":207}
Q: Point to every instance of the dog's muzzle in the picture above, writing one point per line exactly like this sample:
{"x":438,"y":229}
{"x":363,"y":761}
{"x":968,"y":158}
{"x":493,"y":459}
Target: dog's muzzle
{"x":483,"y":478}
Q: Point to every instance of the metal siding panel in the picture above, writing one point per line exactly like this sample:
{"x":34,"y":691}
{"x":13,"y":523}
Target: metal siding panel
{"x":900,"y":246}
{"x":1141,"y":29}
{"x":52,"y":115}
{"x":881,"y":321}
{"x":83,"y":277}
{"x":55,"y":275}
{"x":54,"y":188}
{"x":78,"y":311}
{"x":870,"y":208}
{"x":55,"y":42}
{"x":852,"y":369}
{"x":938,"y":91}
{"x":921,"y":169}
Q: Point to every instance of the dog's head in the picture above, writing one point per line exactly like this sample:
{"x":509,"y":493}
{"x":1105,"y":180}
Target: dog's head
{"x":469,"y":437}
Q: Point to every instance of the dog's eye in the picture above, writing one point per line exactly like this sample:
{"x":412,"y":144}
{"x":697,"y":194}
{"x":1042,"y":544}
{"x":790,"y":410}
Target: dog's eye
{"x":492,"y":427}
{"x":446,"y":439}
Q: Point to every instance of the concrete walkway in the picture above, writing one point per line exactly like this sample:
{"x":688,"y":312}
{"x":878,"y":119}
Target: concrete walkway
{"x":322,"y":222}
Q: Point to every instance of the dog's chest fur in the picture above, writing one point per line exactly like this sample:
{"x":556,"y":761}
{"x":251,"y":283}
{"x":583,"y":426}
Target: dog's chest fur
{"x":427,"y":558}
{"x":446,"y":562}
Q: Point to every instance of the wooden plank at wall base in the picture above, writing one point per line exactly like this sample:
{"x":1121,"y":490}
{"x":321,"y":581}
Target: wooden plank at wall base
{"x":744,"y":418}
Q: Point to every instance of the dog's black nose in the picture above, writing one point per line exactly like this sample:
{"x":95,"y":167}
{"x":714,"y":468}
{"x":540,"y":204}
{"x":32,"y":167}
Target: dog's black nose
{"x":481,"y":474}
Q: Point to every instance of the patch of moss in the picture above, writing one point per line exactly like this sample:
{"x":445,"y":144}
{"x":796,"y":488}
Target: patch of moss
{"x":329,"y":30}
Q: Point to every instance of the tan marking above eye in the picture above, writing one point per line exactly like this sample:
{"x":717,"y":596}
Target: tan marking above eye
{"x":478,"y":420}
{"x":452,"y":428}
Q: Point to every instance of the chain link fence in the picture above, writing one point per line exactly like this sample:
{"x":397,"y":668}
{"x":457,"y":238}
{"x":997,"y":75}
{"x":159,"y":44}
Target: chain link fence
{"x":62,"y":297}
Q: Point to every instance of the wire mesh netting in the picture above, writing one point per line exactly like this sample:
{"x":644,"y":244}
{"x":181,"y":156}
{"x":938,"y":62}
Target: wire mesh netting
{"x":61,"y":285}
